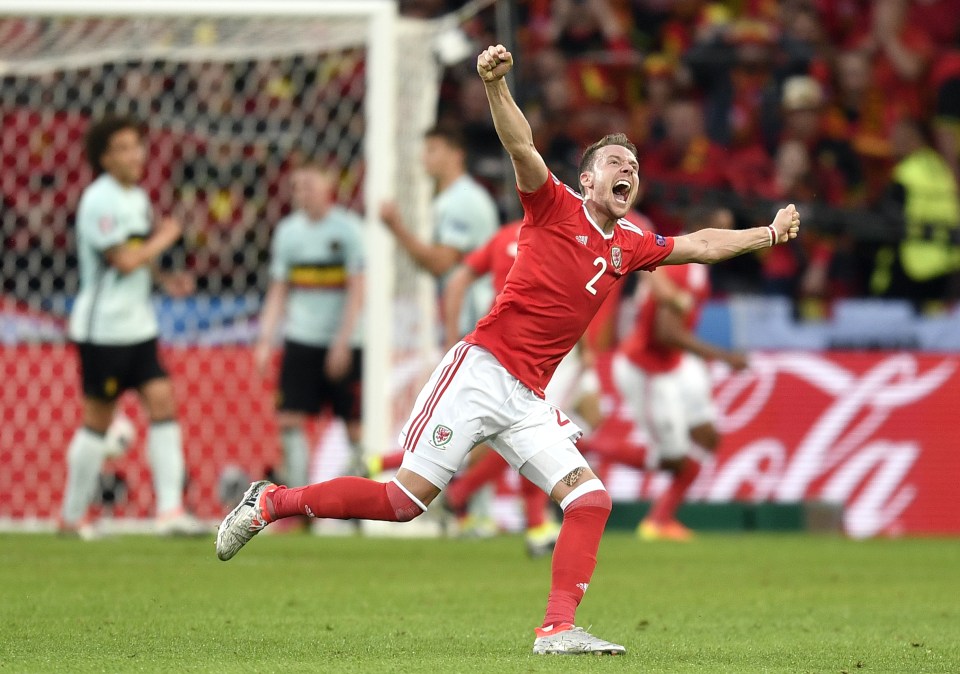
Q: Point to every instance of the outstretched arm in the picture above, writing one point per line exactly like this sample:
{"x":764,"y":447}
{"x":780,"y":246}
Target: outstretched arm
{"x":512,"y":127}
{"x":716,"y":245}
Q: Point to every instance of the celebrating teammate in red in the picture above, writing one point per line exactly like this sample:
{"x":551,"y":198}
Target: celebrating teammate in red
{"x":661,"y":375}
{"x":489,"y":387}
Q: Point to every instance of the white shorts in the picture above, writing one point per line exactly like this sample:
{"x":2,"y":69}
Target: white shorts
{"x":470,"y":398}
{"x":668,"y":404}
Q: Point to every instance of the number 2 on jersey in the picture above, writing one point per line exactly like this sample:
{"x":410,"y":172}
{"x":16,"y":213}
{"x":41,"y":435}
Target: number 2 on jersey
{"x":599,"y":262}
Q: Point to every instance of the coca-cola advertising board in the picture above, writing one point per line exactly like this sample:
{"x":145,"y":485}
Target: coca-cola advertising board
{"x":875,"y":433}
{"x":872,"y":432}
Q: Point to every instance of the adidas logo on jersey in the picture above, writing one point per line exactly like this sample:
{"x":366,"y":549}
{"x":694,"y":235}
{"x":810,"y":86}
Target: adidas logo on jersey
{"x":582,"y":238}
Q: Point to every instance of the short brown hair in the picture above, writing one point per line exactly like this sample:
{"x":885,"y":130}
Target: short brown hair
{"x":451,"y":135}
{"x":586,"y":161}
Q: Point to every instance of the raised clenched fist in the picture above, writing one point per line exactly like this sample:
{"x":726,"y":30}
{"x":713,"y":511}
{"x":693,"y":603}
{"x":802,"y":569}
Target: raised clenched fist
{"x":786,"y":224}
{"x":494,"y":62}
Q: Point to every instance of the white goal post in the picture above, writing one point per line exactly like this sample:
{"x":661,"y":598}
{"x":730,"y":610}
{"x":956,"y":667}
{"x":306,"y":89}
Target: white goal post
{"x":398,"y":104}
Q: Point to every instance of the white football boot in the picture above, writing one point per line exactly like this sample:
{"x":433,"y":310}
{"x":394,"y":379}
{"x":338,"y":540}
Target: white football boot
{"x":243,"y":522}
{"x":565,"y":639}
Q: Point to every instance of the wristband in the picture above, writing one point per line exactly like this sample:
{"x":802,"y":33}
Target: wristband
{"x":773,"y":235}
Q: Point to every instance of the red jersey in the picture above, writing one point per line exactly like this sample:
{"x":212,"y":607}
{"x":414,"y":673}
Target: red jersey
{"x":642,"y":347}
{"x":565,"y":267}
{"x":496,"y":256}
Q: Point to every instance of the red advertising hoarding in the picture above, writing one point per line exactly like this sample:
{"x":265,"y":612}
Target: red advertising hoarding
{"x":873,"y":432}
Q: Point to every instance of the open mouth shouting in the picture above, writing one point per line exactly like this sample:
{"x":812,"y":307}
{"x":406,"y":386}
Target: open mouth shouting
{"x":621,"y":191}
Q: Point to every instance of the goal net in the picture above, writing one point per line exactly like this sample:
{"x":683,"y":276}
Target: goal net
{"x":233,"y":96}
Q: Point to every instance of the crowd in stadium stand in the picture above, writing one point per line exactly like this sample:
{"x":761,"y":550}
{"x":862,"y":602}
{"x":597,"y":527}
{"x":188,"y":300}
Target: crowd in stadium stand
{"x":848,"y":107}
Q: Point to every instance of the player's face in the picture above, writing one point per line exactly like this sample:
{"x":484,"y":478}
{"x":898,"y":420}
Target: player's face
{"x":312,"y":190}
{"x":614,"y":183}
{"x":125,"y":156}
{"x":438,"y":156}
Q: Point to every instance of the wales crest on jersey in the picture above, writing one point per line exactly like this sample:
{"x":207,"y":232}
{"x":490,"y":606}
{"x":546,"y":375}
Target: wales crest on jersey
{"x":616,"y":257}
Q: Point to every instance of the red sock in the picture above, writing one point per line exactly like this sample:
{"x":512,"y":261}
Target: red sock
{"x":487,"y":469}
{"x":575,"y":556}
{"x":392,"y":461}
{"x":344,"y":498}
{"x":534,"y":503}
{"x":665,"y":507}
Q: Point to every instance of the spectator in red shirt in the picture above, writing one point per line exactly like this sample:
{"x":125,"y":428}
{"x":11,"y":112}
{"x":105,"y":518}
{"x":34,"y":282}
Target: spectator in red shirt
{"x":660,"y":85}
{"x":686,"y":157}
{"x":797,"y":270}
{"x":938,"y":19}
{"x":861,"y":115}
{"x":900,"y":56}
{"x":686,"y":165}
{"x":691,"y":21}
{"x":833,"y":160}
{"x":842,"y":18}
{"x":580,"y":26}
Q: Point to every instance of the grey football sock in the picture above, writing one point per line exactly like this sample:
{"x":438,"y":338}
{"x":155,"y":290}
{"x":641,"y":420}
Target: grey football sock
{"x":165,"y":454}
{"x":84,"y":459}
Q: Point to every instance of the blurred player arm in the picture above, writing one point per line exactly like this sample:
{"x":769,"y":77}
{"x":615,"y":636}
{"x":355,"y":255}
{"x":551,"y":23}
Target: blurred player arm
{"x":435,"y":258}
{"x":666,"y":292}
{"x":715,"y":245}
{"x":455,"y":290}
{"x":270,"y":317}
{"x":175,"y":282}
{"x":669,"y":329}
{"x":512,"y":127}
{"x":126,"y":257}
{"x":339,"y":355}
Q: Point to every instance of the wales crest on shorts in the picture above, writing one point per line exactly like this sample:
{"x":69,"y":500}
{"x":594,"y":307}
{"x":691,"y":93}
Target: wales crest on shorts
{"x":441,"y":435}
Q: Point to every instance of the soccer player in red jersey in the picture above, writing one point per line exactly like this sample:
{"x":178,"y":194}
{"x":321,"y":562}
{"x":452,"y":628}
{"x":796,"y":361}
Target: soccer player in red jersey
{"x":496,"y":258}
{"x":573,"y":384}
{"x":660,"y":373}
{"x":572,"y":250}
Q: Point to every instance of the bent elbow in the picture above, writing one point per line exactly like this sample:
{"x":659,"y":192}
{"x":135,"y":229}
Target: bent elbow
{"x":124,"y":265}
{"x":125,"y":259}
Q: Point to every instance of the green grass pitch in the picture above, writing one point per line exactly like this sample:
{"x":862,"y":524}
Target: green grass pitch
{"x":297,"y":603}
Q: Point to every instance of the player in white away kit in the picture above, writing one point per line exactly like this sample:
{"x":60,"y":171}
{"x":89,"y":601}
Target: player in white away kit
{"x":489,"y":387}
{"x":115,"y":328}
